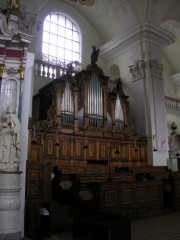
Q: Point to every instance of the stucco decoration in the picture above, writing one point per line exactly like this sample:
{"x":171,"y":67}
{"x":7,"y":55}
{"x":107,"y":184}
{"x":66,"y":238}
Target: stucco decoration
{"x":137,"y":70}
{"x":84,"y":2}
{"x":172,"y":26}
{"x":151,"y":8}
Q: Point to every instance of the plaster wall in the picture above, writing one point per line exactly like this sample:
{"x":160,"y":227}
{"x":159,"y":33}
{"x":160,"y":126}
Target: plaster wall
{"x":89,"y":35}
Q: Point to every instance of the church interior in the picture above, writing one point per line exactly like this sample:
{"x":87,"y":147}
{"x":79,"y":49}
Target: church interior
{"x":89,"y":116}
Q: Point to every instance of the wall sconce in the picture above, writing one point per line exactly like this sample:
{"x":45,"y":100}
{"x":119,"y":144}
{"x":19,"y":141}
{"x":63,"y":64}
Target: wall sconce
{"x":85,"y":146}
{"x":154,"y":149}
{"x":153,"y":139}
{"x":57,"y":141}
{"x":178,"y":154}
{"x":136,"y":149}
{"x":117,"y":151}
{"x":86,"y":143}
{"x":34,"y":141}
{"x":135,"y":142}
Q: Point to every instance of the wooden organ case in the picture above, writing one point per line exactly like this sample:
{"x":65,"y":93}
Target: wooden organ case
{"x":85,"y":131}
{"x":84,"y":128}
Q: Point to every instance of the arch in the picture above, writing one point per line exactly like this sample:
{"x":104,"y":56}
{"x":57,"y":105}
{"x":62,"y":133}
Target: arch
{"x":61,"y":41}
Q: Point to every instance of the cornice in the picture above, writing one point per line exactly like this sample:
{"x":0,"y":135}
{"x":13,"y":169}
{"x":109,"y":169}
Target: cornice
{"x":175,"y":79}
{"x":141,"y":32}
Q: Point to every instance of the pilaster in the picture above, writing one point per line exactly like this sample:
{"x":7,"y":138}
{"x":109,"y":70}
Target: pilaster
{"x":144,"y":42}
{"x":13,"y":98}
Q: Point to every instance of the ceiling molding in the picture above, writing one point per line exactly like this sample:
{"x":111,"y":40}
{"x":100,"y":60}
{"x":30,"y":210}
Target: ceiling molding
{"x":84,"y":2}
{"x":175,"y":79}
{"x":141,"y":32}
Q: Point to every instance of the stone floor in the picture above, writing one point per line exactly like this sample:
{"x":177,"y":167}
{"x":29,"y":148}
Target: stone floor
{"x":165,"y":227}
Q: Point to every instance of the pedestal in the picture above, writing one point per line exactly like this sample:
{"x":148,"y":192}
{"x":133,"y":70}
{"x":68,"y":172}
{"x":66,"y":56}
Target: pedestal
{"x":10,"y":205}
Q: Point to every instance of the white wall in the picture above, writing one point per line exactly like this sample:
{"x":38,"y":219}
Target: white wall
{"x":26,"y":102}
{"x":89,"y":35}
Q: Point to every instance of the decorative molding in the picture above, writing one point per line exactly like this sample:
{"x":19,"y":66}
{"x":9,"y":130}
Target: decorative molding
{"x":151,"y":9}
{"x":135,"y":35}
{"x":137,"y":70}
{"x":156,"y":69}
{"x":84,"y":2}
{"x":172,"y":26}
{"x":175,"y":79}
{"x":11,"y":31}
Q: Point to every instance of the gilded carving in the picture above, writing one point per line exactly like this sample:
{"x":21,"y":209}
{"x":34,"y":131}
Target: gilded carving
{"x":1,"y":70}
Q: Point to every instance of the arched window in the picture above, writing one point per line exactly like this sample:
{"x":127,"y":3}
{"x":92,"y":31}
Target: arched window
{"x":61,"y":39}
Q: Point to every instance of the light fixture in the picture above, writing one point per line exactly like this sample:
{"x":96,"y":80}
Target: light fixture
{"x":86,"y":146}
{"x":154,"y":149}
{"x":177,"y":154}
{"x":57,"y":141}
{"x":154,"y":143}
{"x":86,"y":143}
{"x":136,"y":149}
{"x":34,"y":141}
{"x":117,"y":151}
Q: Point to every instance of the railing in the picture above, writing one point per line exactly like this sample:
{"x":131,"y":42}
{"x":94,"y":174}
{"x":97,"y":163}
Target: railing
{"x":173,"y":103}
{"x":54,"y":70}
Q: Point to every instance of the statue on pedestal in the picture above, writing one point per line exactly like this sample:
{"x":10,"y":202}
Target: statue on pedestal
{"x":9,"y":142}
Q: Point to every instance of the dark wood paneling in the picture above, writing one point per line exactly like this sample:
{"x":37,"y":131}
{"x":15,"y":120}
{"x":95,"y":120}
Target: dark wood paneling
{"x":110,"y":198}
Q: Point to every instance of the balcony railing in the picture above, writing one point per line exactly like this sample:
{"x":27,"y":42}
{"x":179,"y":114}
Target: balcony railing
{"x":55,"y":70}
{"x":173,"y":103}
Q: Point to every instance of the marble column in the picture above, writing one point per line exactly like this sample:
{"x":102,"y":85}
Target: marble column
{"x":10,"y":205}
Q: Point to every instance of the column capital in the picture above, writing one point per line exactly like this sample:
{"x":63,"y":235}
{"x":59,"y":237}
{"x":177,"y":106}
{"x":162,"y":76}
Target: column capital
{"x":137,"y":70}
{"x":156,"y":69}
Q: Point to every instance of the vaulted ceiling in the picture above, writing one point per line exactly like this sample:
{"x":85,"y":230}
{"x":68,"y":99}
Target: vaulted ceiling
{"x":113,"y":17}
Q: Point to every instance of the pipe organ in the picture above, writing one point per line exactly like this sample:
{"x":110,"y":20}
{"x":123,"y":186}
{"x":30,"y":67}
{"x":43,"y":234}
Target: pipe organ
{"x":85,"y":131}
{"x":87,"y":114}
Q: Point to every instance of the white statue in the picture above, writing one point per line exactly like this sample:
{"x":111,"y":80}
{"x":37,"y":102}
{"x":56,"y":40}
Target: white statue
{"x":9,"y":142}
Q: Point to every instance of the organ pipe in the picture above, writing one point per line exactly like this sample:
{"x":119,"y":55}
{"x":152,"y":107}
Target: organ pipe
{"x":95,"y":101}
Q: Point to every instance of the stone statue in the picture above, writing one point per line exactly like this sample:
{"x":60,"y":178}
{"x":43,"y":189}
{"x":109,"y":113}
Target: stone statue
{"x":94,"y":55}
{"x":9,"y":142}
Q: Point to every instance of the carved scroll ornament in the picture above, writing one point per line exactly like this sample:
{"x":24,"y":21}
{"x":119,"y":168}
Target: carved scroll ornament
{"x":137,"y":70}
{"x":156,"y":69}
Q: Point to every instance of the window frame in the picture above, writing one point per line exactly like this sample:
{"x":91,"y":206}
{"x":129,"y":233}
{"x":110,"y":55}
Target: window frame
{"x":75,"y":25}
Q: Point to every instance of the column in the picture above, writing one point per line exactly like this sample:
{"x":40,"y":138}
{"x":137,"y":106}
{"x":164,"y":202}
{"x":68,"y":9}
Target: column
{"x":148,"y":87}
{"x":143,"y":44}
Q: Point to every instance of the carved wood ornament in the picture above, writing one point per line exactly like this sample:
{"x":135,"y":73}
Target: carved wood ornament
{"x":84,"y":118}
